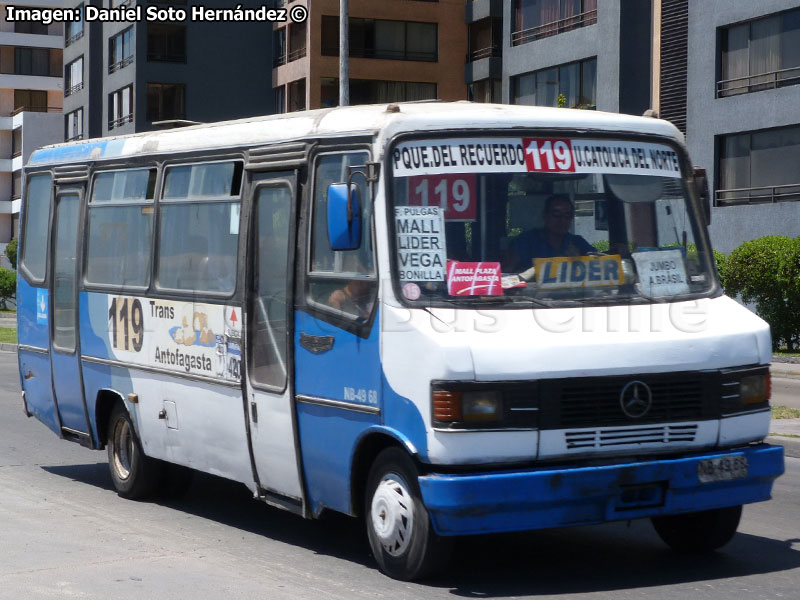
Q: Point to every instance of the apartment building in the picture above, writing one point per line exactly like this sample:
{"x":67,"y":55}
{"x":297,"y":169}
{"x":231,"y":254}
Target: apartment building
{"x":742,"y":110}
{"x":399,"y":50}
{"x":30,"y":103}
{"x":124,"y":77}
{"x":572,"y":53}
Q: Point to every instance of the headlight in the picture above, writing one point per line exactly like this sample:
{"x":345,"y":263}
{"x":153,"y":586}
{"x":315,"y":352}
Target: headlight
{"x":459,"y":405}
{"x":479,"y":406}
{"x":755,"y":389}
{"x":482,"y":406}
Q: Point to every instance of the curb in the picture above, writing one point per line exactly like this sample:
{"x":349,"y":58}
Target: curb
{"x":791,"y":446}
{"x":8,"y":347}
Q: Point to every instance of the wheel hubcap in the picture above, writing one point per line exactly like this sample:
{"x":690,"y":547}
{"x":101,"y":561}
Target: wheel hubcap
{"x":392,"y":514}
{"x":123,"y":449}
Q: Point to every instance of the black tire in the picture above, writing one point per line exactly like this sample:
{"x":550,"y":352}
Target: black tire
{"x":135,"y":476}
{"x":698,"y":532}
{"x":398,"y":525}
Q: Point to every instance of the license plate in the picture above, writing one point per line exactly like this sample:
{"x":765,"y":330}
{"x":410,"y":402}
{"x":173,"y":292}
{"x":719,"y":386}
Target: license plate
{"x":724,"y":468}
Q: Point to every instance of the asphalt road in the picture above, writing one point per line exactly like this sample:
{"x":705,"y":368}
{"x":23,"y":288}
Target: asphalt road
{"x":65,"y":534}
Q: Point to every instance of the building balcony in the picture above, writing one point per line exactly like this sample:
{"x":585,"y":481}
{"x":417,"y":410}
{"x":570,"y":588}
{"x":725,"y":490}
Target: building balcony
{"x":758,"y":195}
{"x":5,"y":165}
{"x":756,"y":83}
{"x":476,"y":10}
{"x":553,"y":28}
{"x":484,"y":63}
{"x":31,"y":82}
{"x":31,"y":40}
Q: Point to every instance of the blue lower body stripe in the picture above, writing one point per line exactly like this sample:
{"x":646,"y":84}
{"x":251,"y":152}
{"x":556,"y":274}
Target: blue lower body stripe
{"x":493,"y":502}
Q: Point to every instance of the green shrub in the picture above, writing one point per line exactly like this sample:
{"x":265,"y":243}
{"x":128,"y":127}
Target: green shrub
{"x":8,"y":285}
{"x":721,"y":260}
{"x":766,"y":272}
{"x":11,"y":252}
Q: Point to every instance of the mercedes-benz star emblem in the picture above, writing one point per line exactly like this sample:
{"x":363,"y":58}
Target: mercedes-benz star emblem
{"x":636,"y":399}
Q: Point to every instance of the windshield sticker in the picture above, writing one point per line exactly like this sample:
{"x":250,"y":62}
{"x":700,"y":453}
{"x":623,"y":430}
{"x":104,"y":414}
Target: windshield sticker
{"x":474,"y":279}
{"x":510,"y":282}
{"x":420,"y":243}
{"x":545,"y":155}
{"x":454,"y":192}
{"x":412,"y":291}
{"x":662,"y":272}
{"x":579,"y":271}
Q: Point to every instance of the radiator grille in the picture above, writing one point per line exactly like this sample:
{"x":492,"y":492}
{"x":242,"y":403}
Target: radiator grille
{"x":607,"y":438}
{"x":596,"y":402}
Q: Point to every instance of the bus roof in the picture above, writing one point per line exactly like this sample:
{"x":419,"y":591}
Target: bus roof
{"x":383,"y":120}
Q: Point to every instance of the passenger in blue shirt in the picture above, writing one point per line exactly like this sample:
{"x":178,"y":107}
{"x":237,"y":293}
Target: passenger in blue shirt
{"x":552,"y":240}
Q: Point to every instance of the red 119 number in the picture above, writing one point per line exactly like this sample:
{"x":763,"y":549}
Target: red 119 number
{"x":548,"y":155}
{"x":454,"y":192}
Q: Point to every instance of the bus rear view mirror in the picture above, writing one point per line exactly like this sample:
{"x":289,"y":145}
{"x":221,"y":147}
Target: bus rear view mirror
{"x":344,"y":216}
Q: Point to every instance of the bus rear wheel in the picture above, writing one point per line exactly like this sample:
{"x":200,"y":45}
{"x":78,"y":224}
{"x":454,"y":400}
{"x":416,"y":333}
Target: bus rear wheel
{"x":134,"y":475}
{"x":398,"y":526}
{"x":697,"y":532}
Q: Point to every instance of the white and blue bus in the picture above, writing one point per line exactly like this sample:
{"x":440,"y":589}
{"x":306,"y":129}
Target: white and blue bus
{"x":450,"y":319}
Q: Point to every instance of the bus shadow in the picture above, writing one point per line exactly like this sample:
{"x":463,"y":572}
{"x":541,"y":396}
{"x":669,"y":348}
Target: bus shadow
{"x":230,"y":503}
{"x":603,"y":558}
{"x":611,"y":557}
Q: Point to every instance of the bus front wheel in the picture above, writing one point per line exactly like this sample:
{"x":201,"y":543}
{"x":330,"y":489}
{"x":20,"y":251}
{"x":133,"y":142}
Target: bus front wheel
{"x":703,"y":531}
{"x":134,"y":475}
{"x":398,"y":526}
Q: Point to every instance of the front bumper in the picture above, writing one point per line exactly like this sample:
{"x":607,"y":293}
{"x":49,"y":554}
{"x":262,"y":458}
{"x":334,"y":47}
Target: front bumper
{"x":493,"y":502}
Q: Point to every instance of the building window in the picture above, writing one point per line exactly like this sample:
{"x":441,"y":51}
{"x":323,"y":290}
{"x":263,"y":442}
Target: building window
{"x":73,"y":77}
{"x":485,"y":39}
{"x":760,"y":55}
{"x":16,"y":143}
{"x":120,"y":107}
{"x":485,"y":90}
{"x":73,"y":125}
{"x":280,"y":99}
{"x":535,"y":19}
{"x":279,"y":47}
{"x":30,"y":27}
{"x":32,"y":61}
{"x":376,"y":38}
{"x":16,"y":185}
{"x":297,"y":95}
{"x":166,"y":101}
{"x":368,"y":91}
{"x":758,"y":166}
{"x":30,"y":100}
{"x":73,"y":31}
{"x":573,"y":85}
{"x":166,"y":42}
{"x":297,"y":41}
{"x":120,"y":50}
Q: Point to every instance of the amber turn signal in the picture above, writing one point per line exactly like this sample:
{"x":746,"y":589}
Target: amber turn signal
{"x":446,"y":406}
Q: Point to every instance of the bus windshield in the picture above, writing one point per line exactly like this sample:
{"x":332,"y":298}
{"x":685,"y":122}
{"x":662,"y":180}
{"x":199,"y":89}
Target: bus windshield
{"x":544,"y":220}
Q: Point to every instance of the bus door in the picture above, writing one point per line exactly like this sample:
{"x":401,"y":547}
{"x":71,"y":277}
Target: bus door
{"x":64,"y":351}
{"x":269,"y":309}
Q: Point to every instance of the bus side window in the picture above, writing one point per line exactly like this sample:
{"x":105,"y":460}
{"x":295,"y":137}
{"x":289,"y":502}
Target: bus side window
{"x":341,"y":280}
{"x":273,"y":214}
{"x":199,"y":227}
{"x":37,"y":227}
{"x":121,"y":228}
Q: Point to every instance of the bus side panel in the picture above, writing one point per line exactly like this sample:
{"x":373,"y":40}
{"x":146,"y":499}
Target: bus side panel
{"x":328,"y":437}
{"x":349,"y":373}
{"x":98,"y":377}
{"x":32,"y":331}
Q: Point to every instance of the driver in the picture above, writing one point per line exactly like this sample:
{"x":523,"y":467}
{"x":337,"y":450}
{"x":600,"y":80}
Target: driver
{"x":554,"y":239}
